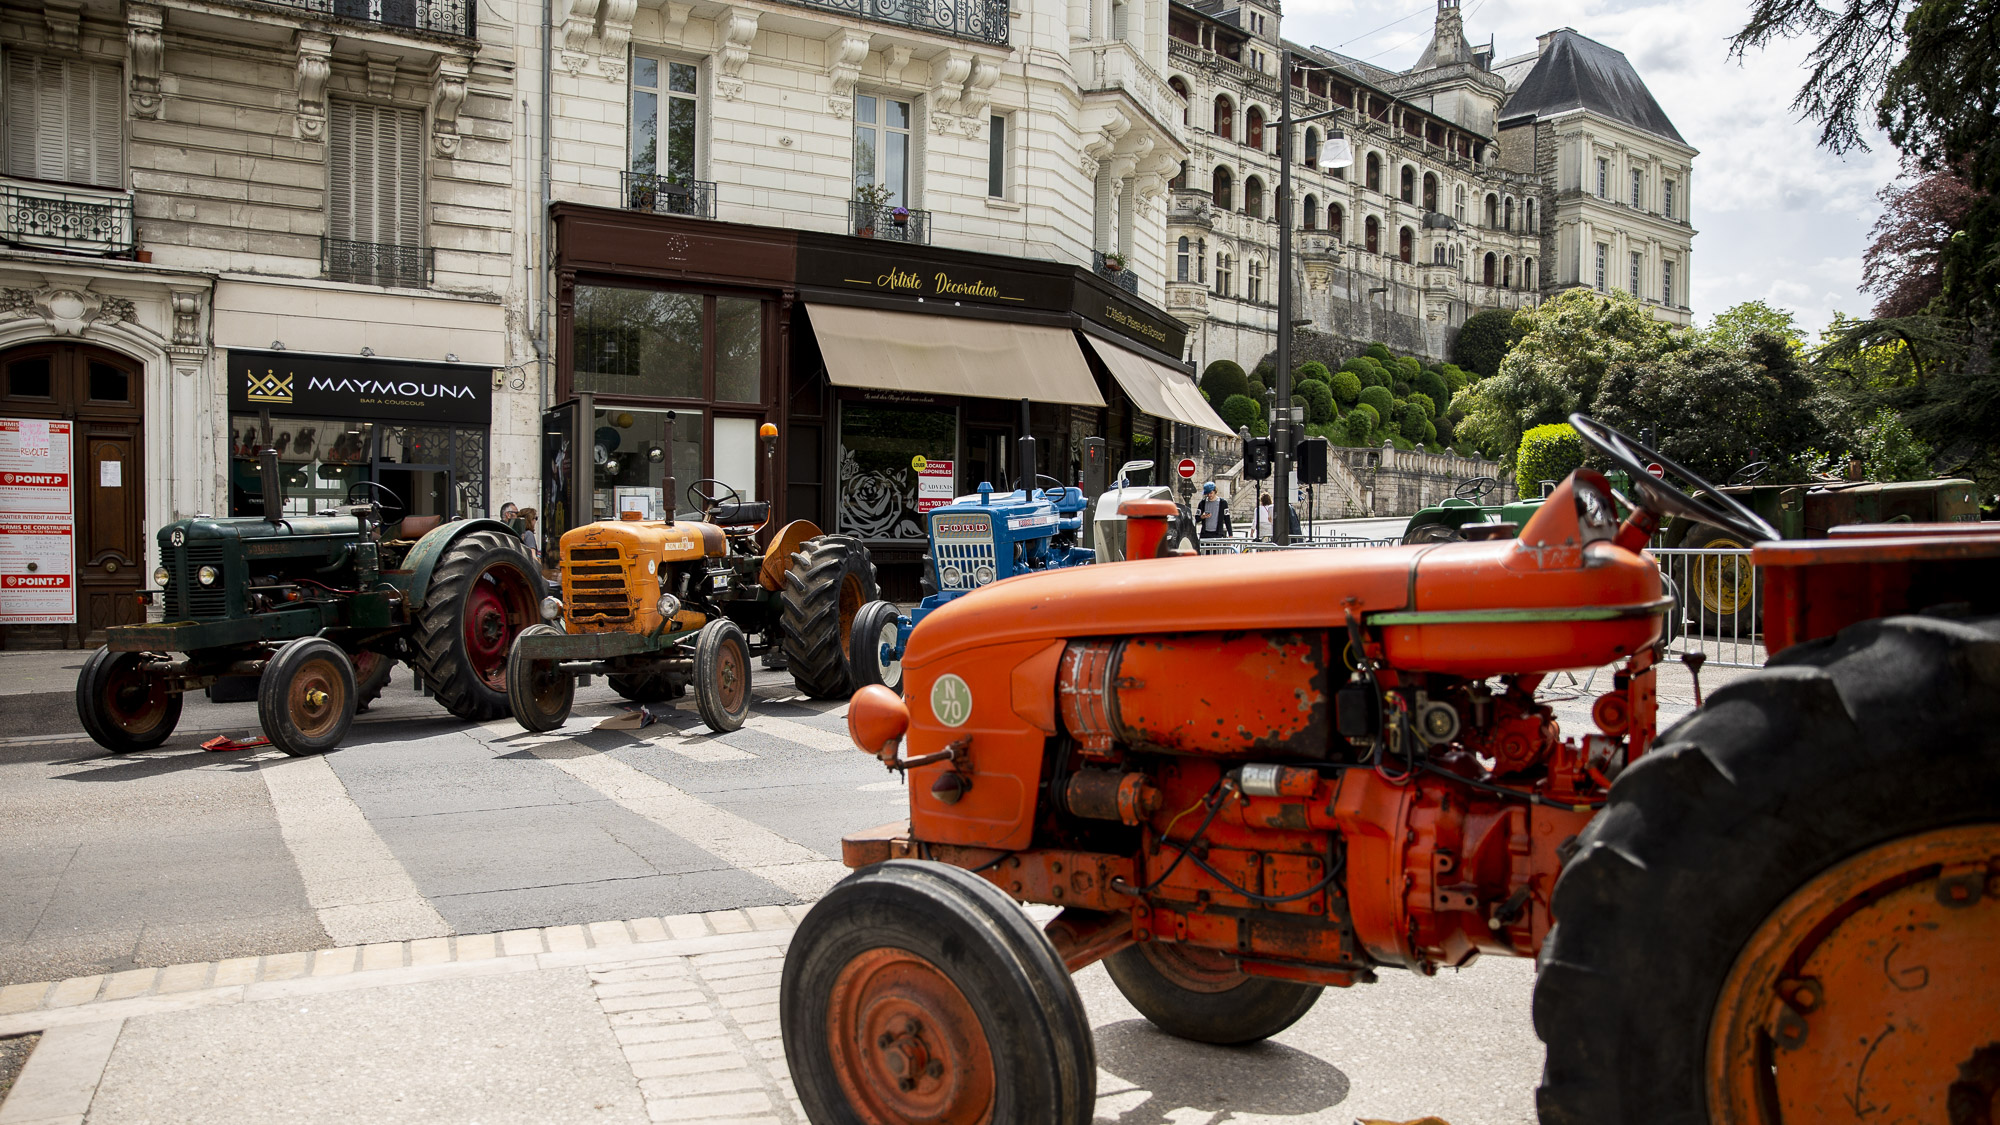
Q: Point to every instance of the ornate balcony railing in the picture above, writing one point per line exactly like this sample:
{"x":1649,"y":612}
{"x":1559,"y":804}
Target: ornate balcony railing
{"x":1122,"y":277}
{"x":445,"y":17}
{"x":982,"y":21}
{"x":76,"y":220}
{"x":394,"y":264}
{"x":881,"y":222}
{"x":666,"y":195}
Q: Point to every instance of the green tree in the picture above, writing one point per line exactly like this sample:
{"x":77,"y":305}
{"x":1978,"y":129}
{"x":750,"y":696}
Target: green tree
{"x":1549,"y":452}
{"x":1454,"y":377}
{"x":1314,"y":370}
{"x":1483,"y":341}
{"x":1346,"y":387}
{"x":1732,"y":327}
{"x":1431,"y":384}
{"x":1717,"y":409}
{"x":1888,"y":450}
{"x":1406,"y":369}
{"x":1239,"y":411}
{"x":1319,"y":402}
{"x":1380,"y":399}
{"x":1422,"y":404}
{"x":1362,"y":422}
{"x":1224,"y":378}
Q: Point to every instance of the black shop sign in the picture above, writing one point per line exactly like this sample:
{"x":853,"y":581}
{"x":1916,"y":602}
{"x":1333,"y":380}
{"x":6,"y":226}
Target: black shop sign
{"x":310,"y":386}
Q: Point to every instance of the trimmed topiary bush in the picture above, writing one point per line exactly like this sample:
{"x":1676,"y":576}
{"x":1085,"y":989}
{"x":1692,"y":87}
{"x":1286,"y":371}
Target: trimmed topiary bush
{"x":1455,"y":377}
{"x":1407,"y":368}
{"x":1550,"y":452}
{"x":1315,"y":371}
{"x":1319,"y":402}
{"x":1422,"y":404}
{"x":1379,"y":352}
{"x":1346,"y":387}
{"x":1432,"y":384}
{"x":1380,"y":399}
{"x":1224,"y":378}
{"x":1239,"y":411}
{"x":1400,"y":389}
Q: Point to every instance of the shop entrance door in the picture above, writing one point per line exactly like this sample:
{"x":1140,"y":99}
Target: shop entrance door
{"x":99,"y":392}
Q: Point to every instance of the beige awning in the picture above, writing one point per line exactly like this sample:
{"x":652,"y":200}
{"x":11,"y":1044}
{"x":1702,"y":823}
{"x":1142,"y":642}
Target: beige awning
{"x":921,"y":353}
{"x":1157,"y":389}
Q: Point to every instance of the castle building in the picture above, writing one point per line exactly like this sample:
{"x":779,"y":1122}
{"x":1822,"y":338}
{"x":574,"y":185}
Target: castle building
{"x":1474,"y":184}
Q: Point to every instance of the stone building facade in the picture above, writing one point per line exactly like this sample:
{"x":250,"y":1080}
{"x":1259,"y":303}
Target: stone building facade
{"x":1448,"y":207}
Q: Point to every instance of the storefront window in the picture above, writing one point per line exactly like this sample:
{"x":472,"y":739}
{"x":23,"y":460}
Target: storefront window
{"x":319,"y":461}
{"x":739,"y":349}
{"x":630,"y":461}
{"x":415,"y":470}
{"x":638,"y":342}
{"x":880,"y":445}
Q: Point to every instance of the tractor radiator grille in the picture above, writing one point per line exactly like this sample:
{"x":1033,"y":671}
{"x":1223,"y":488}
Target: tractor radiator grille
{"x":187,"y":598}
{"x":962,"y":550}
{"x":595,"y":587}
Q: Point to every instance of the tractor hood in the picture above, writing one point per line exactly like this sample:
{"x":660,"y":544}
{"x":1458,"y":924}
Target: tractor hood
{"x":1292,"y":589}
{"x":207,"y":528}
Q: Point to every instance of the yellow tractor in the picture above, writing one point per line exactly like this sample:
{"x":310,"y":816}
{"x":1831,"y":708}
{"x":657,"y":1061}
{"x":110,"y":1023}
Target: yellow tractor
{"x":659,"y":604}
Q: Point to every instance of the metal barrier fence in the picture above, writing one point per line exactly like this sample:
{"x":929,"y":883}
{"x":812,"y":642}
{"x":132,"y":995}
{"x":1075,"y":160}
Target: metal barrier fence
{"x":1237,"y":545}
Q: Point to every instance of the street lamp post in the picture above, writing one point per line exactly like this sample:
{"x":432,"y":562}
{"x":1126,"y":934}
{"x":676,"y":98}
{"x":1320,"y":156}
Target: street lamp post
{"x":1281,"y":421}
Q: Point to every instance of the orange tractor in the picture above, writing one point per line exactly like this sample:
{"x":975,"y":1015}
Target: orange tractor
{"x":1243,"y":779}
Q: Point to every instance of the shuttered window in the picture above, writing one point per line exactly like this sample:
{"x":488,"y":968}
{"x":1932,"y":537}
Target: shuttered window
{"x":65,"y":120}
{"x":375,"y":186}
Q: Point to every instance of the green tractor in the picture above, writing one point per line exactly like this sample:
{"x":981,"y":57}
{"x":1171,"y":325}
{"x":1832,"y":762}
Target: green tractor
{"x":1464,"y":517}
{"x":314,"y":611}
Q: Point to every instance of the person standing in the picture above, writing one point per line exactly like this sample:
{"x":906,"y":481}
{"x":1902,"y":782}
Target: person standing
{"x":508,"y":512}
{"x":528,"y":533}
{"x":1260,"y":527}
{"x":1213,"y":513}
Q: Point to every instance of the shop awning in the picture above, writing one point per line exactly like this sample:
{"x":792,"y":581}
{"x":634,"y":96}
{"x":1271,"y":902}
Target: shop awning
{"x":1157,"y":389}
{"x":921,"y":353}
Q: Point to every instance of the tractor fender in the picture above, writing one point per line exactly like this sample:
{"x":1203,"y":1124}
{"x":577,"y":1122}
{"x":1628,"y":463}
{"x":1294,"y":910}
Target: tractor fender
{"x":423,"y":558}
{"x":778,"y":556}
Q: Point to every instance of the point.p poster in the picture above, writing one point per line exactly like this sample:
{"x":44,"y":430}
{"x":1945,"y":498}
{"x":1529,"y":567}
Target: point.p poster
{"x":37,"y":523}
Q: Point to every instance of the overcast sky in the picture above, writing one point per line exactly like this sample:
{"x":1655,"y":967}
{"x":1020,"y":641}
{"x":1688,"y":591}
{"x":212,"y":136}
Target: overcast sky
{"x":1776,"y":218}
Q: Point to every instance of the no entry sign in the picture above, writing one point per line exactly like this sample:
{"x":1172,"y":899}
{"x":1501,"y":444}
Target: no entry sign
{"x":1187,"y":468}
{"x":1658,"y":470}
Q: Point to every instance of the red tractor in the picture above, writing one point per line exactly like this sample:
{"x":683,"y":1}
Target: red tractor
{"x":1243,"y":779}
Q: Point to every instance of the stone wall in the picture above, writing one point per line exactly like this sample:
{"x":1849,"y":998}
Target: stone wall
{"x":1360,"y":482}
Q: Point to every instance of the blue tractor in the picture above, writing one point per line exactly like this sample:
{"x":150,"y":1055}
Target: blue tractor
{"x":975,"y":541}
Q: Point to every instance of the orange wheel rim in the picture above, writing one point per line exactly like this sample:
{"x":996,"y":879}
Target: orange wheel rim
{"x":1866,"y":995}
{"x":732,"y":677}
{"x":316,"y":698}
{"x":906,"y":1043}
{"x":850,"y":604}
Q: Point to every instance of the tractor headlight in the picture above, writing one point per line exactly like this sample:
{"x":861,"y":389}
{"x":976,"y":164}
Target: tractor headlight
{"x":669,"y":605}
{"x":207,"y":575}
{"x":551,"y":608}
{"x":950,"y":577}
{"x":161,"y":577}
{"x":982,"y":574}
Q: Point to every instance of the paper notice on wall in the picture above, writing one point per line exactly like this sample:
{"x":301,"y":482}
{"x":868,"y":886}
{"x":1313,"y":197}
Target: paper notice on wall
{"x":37,"y":566}
{"x":934,"y":482}
{"x":35,"y":467}
{"x":110,"y":474}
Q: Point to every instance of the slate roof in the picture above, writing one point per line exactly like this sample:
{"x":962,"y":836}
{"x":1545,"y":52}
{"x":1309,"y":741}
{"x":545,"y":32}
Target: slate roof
{"x":1579,"y":73}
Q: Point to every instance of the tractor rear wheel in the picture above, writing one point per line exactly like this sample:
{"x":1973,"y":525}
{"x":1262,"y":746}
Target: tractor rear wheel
{"x":124,"y":707}
{"x":1790,"y":908}
{"x":830,"y":578}
{"x":305,"y":699}
{"x":1198,"y":994}
{"x":1722,"y":589}
{"x":539,"y":692}
{"x":371,"y":675}
{"x":918,"y":992}
{"x":872,"y":656}
{"x":482,"y":594}
{"x":1433,"y":533}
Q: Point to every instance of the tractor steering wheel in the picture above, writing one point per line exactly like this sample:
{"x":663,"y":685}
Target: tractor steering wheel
{"x":712,"y":499}
{"x":1475,"y":488}
{"x":1748,"y":474}
{"x":357,"y":486}
{"x":1662,"y":499}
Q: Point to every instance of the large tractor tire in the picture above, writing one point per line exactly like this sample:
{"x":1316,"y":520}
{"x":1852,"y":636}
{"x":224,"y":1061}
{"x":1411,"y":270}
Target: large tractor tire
{"x":1722,"y":590}
{"x":371,"y":674}
{"x":830,"y":578}
{"x":124,"y":707}
{"x":483,"y":593}
{"x":1197,"y":994}
{"x":918,"y":992}
{"x":1433,"y":533}
{"x":1790,"y":909}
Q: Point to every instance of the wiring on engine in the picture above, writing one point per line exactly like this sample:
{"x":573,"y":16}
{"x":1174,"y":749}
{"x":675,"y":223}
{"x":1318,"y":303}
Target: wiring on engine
{"x":1515,"y":794}
{"x":1333,"y":872}
{"x":1213,"y":799}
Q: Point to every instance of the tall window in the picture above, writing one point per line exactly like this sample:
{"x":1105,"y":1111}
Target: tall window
{"x":1667,"y":199}
{"x":1430,"y":192}
{"x":1201,"y":260}
{"x":1406,"y":243}
{"x":1529,"y":225}
{"x":1181,"y":260}
{"x":1458,"y":203}
{"x":375,"y":189}
{"x":1635,"y":274}
{"x":1374,"y":180}
{"x":1256,"y":271}
{"x":1507,"y":219}
{"x":1490,"y":272}
{"x":996,"y":157}
{"x":1253,"y":197}
{"x":663,"y":119}
{"x":1667,"y":283}
{"x":1602,"y":253}
{"x":1222,"y":274}
{"x":1311,"y":212}
{"x":65,"y":120}
{"x":1407,"y":190}
{"x":1312,"y":147}
{"x":1225,"y":118}
{"x":1336,"y":222}
{"x":1603,"y":177}
{"x":1253,"y":129}
{"x":1222,"y":189}
{"x":1507,"y":272}
{"x":1635,"y":187}
{"x":882,"y":145}
{"x":1373,"y":231}
{"x":1181,"y":88}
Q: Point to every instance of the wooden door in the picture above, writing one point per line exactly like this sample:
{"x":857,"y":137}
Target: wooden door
{"x":101,"y":392}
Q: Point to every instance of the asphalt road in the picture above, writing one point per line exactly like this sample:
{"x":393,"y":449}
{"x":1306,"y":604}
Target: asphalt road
{"x":420,"y":825}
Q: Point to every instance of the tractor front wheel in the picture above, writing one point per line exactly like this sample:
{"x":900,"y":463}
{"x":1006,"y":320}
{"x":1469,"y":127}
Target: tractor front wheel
{"x":917,"y":992}
{"x":483,"y":593}
{"x":124,"y":706}
{"x":722,"y":675}
{"x":873,"y":657}
{"x":305,"y":700}
{"x":830,"y":578}
{"x":539,"y":692}
{"x":1790,"y":908}
{"x":1199,"y":994}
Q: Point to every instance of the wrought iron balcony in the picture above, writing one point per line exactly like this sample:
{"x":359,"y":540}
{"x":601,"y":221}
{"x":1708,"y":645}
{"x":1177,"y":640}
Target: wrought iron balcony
{"x":982,"y":21}
{"x":394,"y":264}
{"x":75,"y":220}
{"x":1122,"y":277}
{"x":667,"y":195}
{"x":882,"y":222}
{"x":444,"y":17}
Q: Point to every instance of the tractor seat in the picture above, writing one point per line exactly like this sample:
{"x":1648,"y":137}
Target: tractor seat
{"x":740,"y":513}
{"x":416,"y":527}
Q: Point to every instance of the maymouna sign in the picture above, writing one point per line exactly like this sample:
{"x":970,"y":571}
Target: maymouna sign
{"x":318,"y":386}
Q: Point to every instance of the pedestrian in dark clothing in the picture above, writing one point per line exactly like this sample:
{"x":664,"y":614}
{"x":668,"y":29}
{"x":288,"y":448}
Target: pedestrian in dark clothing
{"x":1213,"y":513}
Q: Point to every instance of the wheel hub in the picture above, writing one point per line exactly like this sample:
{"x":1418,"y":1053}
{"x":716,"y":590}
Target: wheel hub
{"x":1862,"y":995}
{"x":906,"y":1043}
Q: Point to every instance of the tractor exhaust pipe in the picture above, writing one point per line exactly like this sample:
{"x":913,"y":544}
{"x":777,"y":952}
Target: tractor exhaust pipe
{"x":274,"y":492}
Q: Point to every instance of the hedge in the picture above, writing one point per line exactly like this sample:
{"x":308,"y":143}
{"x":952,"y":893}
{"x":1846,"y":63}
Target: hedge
{"x":1548,"y":452}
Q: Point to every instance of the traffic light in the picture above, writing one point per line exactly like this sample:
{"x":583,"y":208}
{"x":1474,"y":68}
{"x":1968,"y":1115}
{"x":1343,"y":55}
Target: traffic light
{"x":1310,"y":459}
{"x":1257,"y":458}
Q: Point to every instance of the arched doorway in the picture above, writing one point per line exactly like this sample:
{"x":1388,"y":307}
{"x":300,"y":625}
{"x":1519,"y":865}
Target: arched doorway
{"x":99,"y":393}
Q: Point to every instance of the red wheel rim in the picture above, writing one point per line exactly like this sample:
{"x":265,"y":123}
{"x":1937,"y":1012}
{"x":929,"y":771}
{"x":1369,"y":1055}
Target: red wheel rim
{"x":131,"y":699}
{"x":906,"y":1044}
{"x":491,"y":623}
{"x":732,"y":677}
{"x":1193,"y":967}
